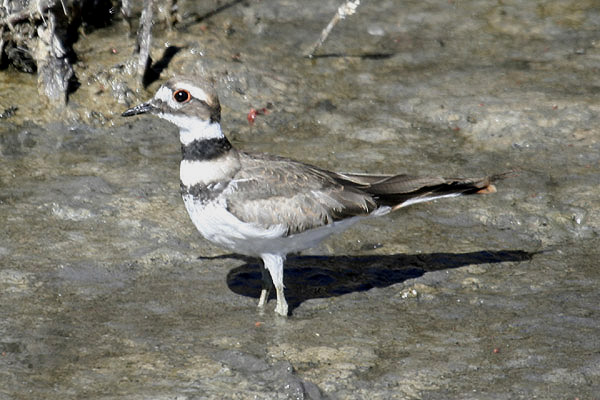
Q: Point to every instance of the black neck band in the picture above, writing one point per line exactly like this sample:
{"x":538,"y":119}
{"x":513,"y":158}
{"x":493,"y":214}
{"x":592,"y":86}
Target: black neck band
{"x":206,"y":149}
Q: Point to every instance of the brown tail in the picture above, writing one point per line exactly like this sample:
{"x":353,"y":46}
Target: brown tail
{"x":399,"y":191}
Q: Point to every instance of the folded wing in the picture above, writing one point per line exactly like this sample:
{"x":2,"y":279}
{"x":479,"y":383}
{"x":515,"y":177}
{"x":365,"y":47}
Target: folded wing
{"x":302,"y":197}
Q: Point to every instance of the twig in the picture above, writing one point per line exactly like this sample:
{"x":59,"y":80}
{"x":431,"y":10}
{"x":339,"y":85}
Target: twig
{"x":19,"y":16}
{"x":1,"y":40}
{"x":346,"y":9}
{"x":144,"y":39}
{"x":38,"y":6}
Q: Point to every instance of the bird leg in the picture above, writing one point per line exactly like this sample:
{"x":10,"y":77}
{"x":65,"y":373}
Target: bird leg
{"x":267,"y":284}
{"x":274,"y":264}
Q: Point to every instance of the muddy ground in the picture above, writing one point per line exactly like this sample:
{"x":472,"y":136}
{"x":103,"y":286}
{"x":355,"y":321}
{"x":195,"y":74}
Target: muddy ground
{"x":107,"y":290}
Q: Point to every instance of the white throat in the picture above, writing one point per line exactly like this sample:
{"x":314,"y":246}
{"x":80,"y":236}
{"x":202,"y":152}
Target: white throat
{"x":193,"y":128}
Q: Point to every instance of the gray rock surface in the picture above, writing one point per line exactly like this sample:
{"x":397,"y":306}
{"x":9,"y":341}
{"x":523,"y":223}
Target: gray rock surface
{"x":102,"y":291}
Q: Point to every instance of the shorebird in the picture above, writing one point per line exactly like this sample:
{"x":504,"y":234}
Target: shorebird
{"x":268,"y":206}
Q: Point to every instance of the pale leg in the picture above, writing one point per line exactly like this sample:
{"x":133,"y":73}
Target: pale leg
{"x":266,"y":286}
{"x":262,"y":300}
{"x":274,"y":264}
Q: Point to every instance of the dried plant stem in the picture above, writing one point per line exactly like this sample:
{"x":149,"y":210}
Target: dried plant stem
{"x":144,"y":39}
{"x":346,"y":9}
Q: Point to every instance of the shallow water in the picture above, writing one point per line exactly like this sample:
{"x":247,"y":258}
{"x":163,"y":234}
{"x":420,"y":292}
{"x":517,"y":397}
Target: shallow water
{"x":493,"y":297}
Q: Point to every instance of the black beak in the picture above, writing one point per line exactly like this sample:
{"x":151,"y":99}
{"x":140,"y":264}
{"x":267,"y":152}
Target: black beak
{"x":140,"y":109}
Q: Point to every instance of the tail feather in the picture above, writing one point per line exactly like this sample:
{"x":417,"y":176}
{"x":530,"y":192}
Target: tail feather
{"x":399,"y":191}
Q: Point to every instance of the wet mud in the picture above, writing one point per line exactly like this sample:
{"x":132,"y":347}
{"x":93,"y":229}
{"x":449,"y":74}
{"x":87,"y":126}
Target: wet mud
{"x":107,"y":291}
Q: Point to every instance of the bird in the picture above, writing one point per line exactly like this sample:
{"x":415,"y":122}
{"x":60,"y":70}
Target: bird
{"x":267,"y":206}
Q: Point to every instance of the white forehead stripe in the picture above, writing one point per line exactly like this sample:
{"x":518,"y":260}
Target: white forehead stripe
{"x":194,"y":90}
{"x":166,"y":94}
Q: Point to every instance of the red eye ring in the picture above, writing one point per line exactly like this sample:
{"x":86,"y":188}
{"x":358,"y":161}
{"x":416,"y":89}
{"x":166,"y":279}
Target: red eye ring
{"x":182,"y":96}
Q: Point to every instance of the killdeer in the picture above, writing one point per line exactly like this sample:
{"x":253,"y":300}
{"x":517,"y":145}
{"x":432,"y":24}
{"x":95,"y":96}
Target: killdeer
{"x":267,"y":206}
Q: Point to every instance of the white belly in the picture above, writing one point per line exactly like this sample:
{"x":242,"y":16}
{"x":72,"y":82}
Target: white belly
{"x":221,"y":227}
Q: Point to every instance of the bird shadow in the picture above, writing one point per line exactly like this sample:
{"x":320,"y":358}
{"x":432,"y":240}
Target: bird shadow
{"x":310,"y":277}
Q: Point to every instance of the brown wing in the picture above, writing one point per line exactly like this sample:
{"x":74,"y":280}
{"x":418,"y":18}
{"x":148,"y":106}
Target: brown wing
{"x":272,"y":190}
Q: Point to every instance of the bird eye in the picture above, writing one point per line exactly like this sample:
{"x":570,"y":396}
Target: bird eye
{"x":182,"y":96}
